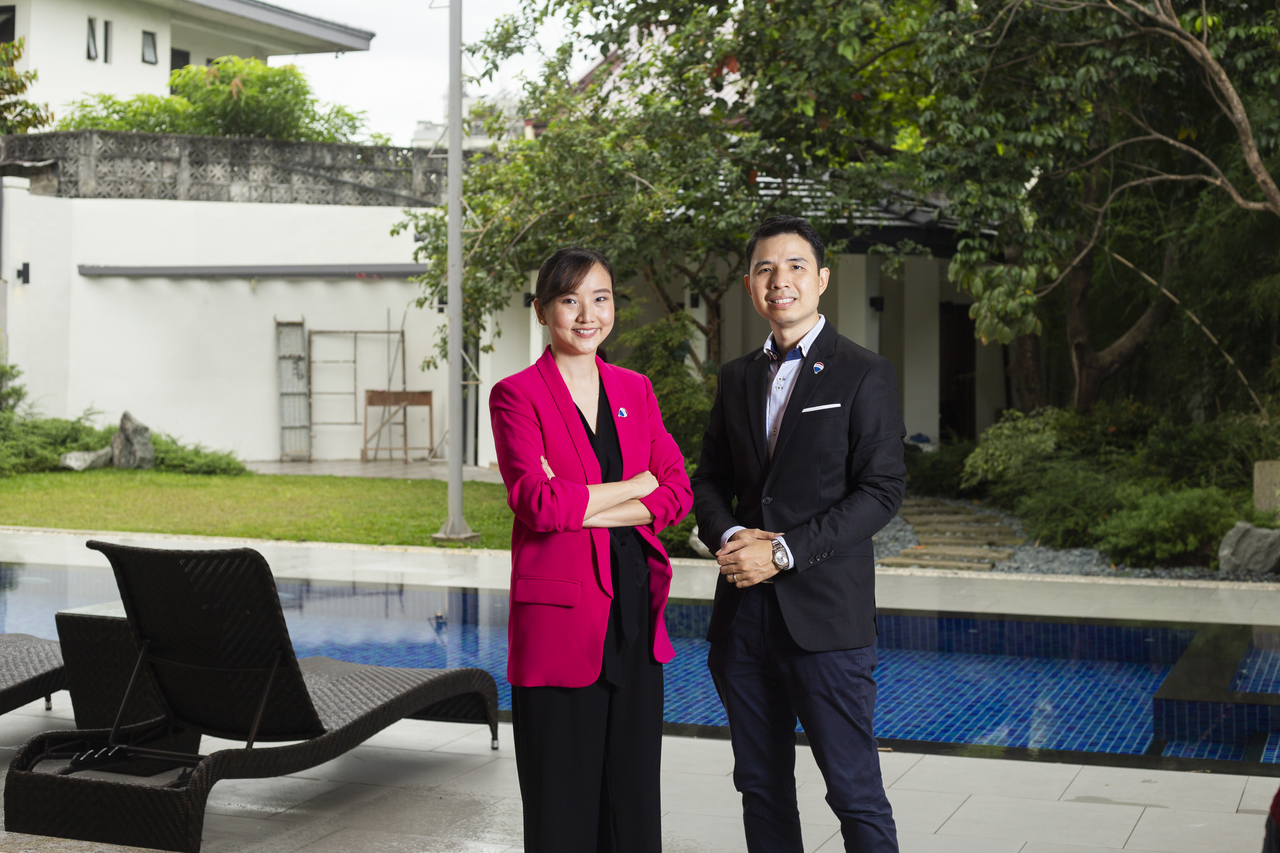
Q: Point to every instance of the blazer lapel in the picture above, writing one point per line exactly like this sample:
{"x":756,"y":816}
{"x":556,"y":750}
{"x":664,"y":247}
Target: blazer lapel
{"x":757,"y":378}
{"x":572,"y":421}
{"x":806,"y":384}
{"x":628,"y":425}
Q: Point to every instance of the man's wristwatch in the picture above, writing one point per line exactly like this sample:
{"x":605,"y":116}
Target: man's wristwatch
{"x":781,"y":561}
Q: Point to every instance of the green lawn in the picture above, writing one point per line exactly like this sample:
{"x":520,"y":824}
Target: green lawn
{"x":318,"y":509}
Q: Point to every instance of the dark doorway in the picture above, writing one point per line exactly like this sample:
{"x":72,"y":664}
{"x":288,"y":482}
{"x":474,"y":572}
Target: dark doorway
{"x":8,"y":23}
{"x":179,"y":59}
{"x":957,"y":372}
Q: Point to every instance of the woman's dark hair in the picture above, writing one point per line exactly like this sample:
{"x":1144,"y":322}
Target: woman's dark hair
{"x":775,"y":225}
{"x":564,"y":271}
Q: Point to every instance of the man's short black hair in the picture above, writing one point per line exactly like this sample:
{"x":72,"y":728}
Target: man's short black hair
{"x":775,"y":225}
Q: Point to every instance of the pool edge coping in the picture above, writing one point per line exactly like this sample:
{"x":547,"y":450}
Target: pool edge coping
{"x":680,"y":562}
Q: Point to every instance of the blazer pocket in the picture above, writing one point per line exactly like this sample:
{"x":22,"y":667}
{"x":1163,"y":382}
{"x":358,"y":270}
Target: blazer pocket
{"x":817,"y":413}
{"x":562,"y":593}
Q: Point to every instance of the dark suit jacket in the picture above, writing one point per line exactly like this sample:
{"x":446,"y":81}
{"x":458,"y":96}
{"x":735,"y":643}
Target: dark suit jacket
{"x":837,"y":476}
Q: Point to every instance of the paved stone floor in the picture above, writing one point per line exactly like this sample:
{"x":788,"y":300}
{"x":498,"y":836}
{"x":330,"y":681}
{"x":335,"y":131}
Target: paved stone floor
{"x":421,"y":787}
{"x":432,"y":787}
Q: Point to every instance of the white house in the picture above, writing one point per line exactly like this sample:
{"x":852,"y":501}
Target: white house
{"x":129,"y":47}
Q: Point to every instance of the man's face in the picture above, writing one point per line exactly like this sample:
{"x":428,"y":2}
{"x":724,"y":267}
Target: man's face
{"x":785,"y":281}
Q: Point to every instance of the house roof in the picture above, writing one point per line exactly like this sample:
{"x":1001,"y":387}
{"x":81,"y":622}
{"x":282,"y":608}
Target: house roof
{"x":276,"y":29}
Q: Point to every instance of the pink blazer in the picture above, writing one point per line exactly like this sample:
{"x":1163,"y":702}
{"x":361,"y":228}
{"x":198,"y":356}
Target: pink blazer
{"x":561,"y":585}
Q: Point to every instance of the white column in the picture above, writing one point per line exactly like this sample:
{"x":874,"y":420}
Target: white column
{"x":920,"y":365}
{"x":857,"y":279}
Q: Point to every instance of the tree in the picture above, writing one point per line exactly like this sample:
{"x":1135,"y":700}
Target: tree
{"x":1033,"y":118}
{"x":644,"y":161}
{"x":231,"y":97}
{"x":18,"y":115}
{"x":1053,"y":115}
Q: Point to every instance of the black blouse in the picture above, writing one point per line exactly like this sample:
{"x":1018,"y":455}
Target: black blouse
{"x":629,"y":613}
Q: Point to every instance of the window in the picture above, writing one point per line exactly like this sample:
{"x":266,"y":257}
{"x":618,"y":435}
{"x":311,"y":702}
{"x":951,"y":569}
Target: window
{"x":149,"y":53}
{"x":106,"y":41}
{"x":8,"y":30}
{"x":91,"y":46}
{"x":178,"y":60}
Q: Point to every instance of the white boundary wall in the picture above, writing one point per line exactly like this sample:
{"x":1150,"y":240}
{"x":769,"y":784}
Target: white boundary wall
{"x":196,"y":357}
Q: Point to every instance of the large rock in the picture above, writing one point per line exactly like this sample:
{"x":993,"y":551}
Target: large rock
{"x":83,"y":460}
{"x":131,"y":446}
{"x":1250,"y":549}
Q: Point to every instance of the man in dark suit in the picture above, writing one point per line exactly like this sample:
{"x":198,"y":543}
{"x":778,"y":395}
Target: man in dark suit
{"x":801,"y":464}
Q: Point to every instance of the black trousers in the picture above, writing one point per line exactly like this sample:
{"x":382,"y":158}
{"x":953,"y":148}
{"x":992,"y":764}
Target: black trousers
{"x":589,"y":759}
{"x":766,"y":681}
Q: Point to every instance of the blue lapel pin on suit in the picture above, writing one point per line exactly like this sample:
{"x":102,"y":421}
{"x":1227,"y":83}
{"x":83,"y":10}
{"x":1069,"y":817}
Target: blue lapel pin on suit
{"x":622,"y":413}
{"x":818,"y":366}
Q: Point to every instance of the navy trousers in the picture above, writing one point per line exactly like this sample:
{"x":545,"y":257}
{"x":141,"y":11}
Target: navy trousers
{"x":766,"y":682}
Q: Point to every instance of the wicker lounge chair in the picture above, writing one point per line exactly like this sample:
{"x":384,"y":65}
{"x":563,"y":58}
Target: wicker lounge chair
{"x":210,"y":630}
{"x":29,"y":668}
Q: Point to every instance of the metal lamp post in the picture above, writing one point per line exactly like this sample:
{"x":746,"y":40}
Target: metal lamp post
{"x":455,"y":528}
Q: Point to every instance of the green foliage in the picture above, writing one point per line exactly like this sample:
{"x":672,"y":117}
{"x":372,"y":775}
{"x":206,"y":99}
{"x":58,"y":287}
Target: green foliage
{"x":172,"y":455}
{"x":30,"y":444}
{"x":660,"y":350}
{"x":651,"y":161}
{"x":1177,"y":527}
{"x":34,"y":444}
{"x":1060,"y":501}
{"x":676,"y":538}
{"x":1006,"y":448}
{"x":12,"y":392}
{"x":231,"y":97}
{"x":939,"y":473}
{"x":18,"y":115}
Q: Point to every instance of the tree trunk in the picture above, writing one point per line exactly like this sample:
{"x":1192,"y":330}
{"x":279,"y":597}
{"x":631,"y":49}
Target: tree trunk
{"x":1026,"y":374}
{"x":713,"y":328}
{"x":1093,"y":368}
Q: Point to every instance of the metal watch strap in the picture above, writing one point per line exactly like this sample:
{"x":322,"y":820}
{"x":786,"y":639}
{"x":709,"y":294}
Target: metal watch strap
{"x":780,"y":551}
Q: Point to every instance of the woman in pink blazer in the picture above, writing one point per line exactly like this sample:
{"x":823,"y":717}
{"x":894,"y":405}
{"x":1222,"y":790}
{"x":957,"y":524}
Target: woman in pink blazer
{"x":592,"y":476}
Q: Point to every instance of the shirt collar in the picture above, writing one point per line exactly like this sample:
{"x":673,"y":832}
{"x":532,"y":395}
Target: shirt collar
{"x":805,"y":343}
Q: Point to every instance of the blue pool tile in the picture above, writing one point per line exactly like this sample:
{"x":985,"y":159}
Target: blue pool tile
{"x":1025,"y":684}
{"x":1259,"y":672}
{"x":1204,"y":749}
{"x":1271,"y":752}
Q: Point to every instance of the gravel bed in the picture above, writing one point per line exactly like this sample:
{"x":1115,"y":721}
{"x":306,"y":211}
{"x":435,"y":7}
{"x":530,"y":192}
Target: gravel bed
{"x":1038,"y":560}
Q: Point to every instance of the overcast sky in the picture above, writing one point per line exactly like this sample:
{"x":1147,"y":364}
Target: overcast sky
{"x":404,"y":76}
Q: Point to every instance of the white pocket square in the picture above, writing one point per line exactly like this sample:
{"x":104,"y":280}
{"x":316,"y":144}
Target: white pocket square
{"x":820,"y":408}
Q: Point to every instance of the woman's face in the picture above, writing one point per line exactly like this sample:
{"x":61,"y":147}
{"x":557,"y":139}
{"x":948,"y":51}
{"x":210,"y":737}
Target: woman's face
{"x":579,"y":321}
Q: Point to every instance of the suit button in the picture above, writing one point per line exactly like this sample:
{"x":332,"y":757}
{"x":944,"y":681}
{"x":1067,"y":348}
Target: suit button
{"x":766,"y":501}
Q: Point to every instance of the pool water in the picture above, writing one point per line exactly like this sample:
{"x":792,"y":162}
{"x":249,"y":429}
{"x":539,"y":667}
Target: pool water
{"x":1032,"y":684}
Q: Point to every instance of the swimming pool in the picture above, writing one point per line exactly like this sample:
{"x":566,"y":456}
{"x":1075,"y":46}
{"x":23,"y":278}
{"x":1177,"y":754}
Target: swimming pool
{"x":1101,"y":688}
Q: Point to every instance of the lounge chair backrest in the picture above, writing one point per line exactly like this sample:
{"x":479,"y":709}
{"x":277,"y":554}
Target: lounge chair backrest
{"x":214,"y":628}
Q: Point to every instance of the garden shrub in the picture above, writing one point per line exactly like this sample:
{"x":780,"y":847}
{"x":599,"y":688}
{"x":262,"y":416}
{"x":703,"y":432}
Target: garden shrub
{"x":1060,"y":500}
{"x":1178,"y":527}
{"x":172,"y":455}
{"x":938,"y":474}
{"x":1011,"y":444}
{"x":30,"y":444}
{"x":676,"y":538}
{"x":1219,"y":453}
{"x":35,"y":444}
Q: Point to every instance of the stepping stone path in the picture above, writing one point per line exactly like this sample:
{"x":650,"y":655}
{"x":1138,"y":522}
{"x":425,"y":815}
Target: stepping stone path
{"x":953,"y":537}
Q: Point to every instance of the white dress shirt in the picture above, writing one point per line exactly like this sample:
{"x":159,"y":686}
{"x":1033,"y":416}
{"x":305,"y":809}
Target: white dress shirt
{"x":782,"y":381}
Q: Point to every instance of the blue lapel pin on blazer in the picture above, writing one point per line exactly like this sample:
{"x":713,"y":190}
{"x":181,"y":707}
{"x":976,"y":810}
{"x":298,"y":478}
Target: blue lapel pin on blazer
{"x":622,"y":413}
{"x":818,"y":366}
